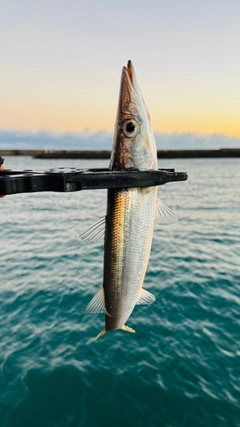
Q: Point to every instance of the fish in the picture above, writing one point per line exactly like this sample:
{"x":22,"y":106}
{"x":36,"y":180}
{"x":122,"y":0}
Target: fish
{"x":131,"y":213}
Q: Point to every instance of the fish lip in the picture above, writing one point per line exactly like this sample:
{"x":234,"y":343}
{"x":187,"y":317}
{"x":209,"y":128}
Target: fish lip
{"x":129,"y":73}
{"x":130,"y":70}
{"x":129,"y":91}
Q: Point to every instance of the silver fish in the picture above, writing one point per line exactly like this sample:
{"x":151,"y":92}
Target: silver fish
{"x":131,"y":213}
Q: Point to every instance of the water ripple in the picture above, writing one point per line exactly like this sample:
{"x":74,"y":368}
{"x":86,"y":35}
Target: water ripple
{"x":181,"y":368}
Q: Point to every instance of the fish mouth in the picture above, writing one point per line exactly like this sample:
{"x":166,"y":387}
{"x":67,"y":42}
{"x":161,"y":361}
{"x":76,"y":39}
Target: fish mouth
{"x":129,"y":74}
{"x":129,"y":92}
{"x":130,"y":71}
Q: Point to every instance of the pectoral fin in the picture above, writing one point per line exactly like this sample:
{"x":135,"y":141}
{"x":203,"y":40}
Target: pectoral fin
{"x":164,"y":215}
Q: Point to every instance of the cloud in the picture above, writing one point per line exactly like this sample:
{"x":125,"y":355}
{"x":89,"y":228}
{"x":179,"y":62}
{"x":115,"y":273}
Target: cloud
{"x":44,"y":140}
{"x":102,"y":140}
{"x":193,"y":141}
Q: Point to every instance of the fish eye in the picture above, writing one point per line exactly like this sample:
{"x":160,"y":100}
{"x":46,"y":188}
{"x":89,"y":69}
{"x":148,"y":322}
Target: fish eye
{"x":130,"y":128}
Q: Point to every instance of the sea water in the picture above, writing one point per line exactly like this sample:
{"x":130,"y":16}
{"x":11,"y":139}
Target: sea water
{"x":182,"y":366}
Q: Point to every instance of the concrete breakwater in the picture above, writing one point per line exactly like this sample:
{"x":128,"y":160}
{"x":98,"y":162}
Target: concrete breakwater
{"x":105,"y":154}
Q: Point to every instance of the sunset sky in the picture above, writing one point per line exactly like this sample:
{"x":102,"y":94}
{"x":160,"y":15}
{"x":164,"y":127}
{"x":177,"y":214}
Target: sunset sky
{"x":61,"y":63}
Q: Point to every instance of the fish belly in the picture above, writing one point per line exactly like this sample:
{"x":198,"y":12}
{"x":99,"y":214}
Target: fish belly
{"x":129,"y":230}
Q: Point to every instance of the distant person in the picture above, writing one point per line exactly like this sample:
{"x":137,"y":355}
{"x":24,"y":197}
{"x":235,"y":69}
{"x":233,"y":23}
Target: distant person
{"x":2,"y":168}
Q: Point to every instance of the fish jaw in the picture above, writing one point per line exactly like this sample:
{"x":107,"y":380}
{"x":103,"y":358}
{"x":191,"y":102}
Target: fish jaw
{"x":134,"y":145}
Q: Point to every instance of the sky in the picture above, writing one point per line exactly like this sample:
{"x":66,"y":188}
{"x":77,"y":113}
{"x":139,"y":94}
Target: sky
{"x":61,"y":63}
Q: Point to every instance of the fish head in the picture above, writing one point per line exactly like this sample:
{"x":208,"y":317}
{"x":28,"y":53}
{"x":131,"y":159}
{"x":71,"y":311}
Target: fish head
{"x":134,"y":144}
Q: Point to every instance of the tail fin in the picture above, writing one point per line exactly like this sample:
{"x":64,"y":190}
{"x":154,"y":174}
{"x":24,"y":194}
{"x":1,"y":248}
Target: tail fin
{"x":103,"y":332}
{"x":100,"y":335}
{"x":127,"y":329}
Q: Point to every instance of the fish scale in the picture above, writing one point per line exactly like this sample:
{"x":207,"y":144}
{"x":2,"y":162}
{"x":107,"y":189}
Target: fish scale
{"x":129,"y":238}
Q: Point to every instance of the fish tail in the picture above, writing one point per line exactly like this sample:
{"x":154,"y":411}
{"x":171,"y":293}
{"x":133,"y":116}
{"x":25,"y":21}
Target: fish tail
{"x":127,"y":329}
{"x":100,"y":335}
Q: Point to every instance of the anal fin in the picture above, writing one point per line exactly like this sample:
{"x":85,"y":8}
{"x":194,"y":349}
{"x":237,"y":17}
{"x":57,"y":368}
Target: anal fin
{"x":97,"y":303}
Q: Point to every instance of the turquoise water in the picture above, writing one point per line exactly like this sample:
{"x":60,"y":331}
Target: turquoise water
{"x":181,"y":368}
